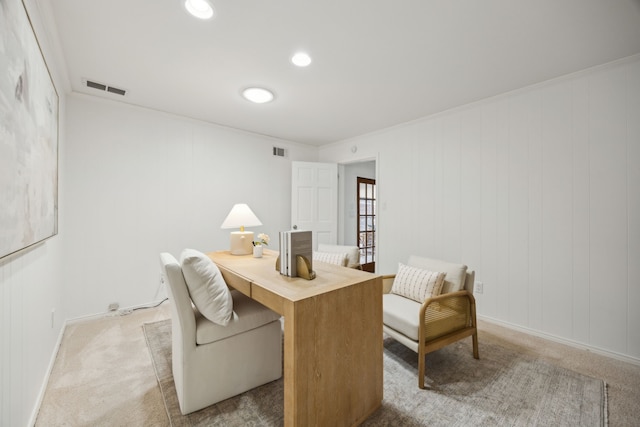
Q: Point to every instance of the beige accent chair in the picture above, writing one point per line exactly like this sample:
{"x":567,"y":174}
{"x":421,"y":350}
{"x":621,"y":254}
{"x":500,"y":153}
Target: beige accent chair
{"x":212,"y":362}
{"x":353,"y":253}
{"x":440,"y":320}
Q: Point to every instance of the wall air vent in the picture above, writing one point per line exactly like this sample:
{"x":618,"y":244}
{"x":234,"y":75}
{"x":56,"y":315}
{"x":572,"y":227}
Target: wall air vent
{"x":116,"y":90}
{"x":95,"y":85}
{"x":277,"y":151}
{"x":103,"y":87}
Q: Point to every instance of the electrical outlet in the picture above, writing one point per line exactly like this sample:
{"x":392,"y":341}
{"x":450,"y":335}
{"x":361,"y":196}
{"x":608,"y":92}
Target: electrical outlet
{"x":479,"y":287}
{"x":161,"y":291}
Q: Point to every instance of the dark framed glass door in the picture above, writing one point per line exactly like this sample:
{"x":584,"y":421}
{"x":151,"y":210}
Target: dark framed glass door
{"x":366,"y":195}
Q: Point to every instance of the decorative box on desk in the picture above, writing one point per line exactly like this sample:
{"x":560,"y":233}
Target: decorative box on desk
{"x":332,"y":336}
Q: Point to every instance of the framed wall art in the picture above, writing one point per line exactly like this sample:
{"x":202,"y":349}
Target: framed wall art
{"x":28,"y":135}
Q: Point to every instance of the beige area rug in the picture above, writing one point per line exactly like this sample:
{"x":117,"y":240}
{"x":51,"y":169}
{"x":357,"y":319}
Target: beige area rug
{"x":503,"y":388}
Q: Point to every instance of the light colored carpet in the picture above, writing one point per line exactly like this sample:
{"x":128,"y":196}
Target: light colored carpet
{"x":103,"y":374}
{"x":503,"y":388}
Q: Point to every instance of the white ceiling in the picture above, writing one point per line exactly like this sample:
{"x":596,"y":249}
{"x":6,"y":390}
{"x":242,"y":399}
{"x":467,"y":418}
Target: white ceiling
{"x":375,"y":63}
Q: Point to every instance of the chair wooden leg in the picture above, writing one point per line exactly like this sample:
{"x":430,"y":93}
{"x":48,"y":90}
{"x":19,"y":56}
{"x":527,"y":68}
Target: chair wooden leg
{"x":421,"y":368}
{"x":474,"y":337}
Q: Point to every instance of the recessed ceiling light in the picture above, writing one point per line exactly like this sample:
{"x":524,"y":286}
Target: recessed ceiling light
{"x":199,"y":8}
{"x":257,"y":95}
{"x":301,"y":59}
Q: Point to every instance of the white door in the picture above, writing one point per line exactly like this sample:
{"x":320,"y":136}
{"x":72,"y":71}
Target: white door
{"x":314,"y":200}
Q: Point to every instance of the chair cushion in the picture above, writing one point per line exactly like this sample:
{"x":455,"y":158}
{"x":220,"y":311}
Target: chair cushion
{"x":331,"y":258}
{"x":353,"y":252}
{"x":417,"y":283}
{"x":455,"y":273}
{"x":247,"y":314}
{"x":401,"y":314}
{"x":207,"y":288}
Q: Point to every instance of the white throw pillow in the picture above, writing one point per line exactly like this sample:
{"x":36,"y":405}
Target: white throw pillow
{"x":416,"y":283}
{"x":207,"y":288}
{"x":331,"y":258}
{"x":456,"y":274}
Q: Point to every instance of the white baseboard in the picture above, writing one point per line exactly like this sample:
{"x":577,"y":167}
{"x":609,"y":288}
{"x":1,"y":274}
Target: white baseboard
{"x":575,"y":344}
{"x":47,"y":375}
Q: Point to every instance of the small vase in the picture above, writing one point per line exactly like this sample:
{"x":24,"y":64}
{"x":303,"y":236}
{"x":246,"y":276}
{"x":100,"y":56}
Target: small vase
{"x":257,"y":251}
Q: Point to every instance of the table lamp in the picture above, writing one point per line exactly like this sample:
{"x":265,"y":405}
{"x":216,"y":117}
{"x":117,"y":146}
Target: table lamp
{"x":241,"y":216}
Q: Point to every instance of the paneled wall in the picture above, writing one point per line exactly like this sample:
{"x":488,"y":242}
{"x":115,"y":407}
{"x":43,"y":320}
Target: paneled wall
{"x":537,"y":190}
{"x":32,"y":305}
{"x":141,"y":182}
{"x":31,"y":317}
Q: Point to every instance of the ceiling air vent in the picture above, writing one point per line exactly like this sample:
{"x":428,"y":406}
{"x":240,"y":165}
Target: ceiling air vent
{"x":103,"y":87}
{"x":277,"y":151}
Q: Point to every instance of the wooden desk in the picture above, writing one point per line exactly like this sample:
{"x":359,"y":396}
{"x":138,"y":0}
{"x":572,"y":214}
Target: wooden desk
{"x":332,"y":336}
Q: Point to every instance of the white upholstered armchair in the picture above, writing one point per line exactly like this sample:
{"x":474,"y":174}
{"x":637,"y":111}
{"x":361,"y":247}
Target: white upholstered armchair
{"x":426,"y":323}
{"x":350,"y":254}
{"x":212,"y":362}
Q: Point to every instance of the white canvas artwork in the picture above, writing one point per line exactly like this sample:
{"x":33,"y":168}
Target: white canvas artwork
{"x":28,"y":135}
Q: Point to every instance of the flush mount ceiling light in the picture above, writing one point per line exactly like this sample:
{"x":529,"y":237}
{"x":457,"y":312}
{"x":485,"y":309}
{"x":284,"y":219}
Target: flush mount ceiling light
{"x":257,"y":95}
{"x":301,"y":59}
{"x":199,"y":8}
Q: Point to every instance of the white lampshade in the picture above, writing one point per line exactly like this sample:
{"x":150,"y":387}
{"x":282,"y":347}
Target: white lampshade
{"x":241,"y":216}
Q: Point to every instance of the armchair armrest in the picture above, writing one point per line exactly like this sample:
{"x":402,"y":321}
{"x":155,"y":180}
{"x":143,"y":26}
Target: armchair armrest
{"x":447,"y":313}
{"x":387,"y":283}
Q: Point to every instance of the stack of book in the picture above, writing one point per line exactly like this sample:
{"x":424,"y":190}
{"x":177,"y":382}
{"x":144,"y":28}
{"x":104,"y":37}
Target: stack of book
{"x":292,"y":244}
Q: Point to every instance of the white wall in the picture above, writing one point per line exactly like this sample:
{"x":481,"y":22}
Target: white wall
{"x":30,"y":288}
{"x":141,"y":182}
{"x":537,"y":190}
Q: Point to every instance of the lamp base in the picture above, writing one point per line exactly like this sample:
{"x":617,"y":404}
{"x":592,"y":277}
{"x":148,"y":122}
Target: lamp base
{"x":241,"y":242}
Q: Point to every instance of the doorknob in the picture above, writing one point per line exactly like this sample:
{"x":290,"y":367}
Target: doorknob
{"x":295,"y":227}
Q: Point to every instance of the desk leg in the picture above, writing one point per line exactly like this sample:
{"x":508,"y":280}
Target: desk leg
{"x":333,"y":356}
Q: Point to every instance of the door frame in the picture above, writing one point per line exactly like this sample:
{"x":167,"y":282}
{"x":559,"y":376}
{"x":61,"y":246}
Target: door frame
{"x":342,"y":209}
